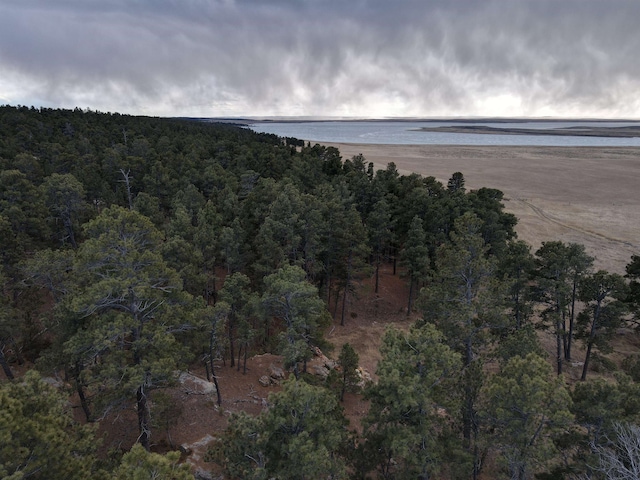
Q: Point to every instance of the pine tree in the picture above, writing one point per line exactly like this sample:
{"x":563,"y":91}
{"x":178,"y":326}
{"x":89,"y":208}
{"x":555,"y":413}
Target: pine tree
{"x":289,"y":297}
{"x":525,"y":406}
{"x":38,"y":437}
{"x":602,"y":294}
{"x":133,"y":306}
{"x":301,"y":436}
{"x":414,"y":256}
{"x":348,"y":361}
{"x":463,"y":299}
{"x":407,"y":426}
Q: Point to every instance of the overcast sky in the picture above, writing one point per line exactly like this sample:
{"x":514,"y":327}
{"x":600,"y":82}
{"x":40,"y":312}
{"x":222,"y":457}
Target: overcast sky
{"x":378,"y":58}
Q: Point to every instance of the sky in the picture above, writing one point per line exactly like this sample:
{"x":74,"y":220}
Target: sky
{"x":345,"y":58}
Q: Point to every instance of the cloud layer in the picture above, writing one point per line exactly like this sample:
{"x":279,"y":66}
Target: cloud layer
{"x":324,"y":57}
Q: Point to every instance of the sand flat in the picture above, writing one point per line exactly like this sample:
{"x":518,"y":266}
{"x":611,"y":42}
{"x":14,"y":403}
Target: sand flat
{"x":587,"y":195}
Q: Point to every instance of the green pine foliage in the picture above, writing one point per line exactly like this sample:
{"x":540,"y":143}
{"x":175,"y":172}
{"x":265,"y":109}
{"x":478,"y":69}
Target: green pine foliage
{"x":38,"y":437}
{"x":302,"y":435}
{"x":526,"y":406}
{"x":132,"y":247}
{"x":138,"y":464}
{"x":413,"y":405}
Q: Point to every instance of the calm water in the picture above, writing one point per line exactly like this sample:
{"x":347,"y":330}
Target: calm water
{"x":407,"y":133}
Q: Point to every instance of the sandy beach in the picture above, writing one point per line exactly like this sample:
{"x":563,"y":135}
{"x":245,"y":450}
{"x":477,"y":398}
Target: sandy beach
{"x":583,"y":195}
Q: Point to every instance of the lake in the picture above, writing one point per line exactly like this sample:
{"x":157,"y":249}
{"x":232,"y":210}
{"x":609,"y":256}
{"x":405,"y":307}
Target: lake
{"x":409,"y":133}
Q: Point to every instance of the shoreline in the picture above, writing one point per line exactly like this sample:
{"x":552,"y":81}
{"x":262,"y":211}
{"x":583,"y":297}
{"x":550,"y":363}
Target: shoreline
{"x":584,"y":195}
{"x":602,"y":132}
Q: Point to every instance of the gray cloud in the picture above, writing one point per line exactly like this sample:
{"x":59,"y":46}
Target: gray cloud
{"x":324,"y":57}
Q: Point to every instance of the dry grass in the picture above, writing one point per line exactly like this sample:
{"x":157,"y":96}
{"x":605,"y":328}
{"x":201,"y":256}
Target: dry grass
{"x":574,"y":194}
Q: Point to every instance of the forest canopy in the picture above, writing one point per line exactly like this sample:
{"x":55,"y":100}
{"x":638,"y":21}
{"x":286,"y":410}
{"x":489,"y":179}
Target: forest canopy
{"x":136,"y":247}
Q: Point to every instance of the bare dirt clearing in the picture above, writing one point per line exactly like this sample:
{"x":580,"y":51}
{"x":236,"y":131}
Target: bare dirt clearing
{"x":583,"y":195}
{"x":197,"y":419}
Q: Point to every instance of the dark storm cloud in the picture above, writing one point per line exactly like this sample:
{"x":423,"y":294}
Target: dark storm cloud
{"x":324,"y":57}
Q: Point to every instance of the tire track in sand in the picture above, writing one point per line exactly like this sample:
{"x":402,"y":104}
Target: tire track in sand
{"x":545,"y":216}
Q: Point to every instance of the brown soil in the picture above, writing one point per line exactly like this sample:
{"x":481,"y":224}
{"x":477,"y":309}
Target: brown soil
{"x":198,"y":415}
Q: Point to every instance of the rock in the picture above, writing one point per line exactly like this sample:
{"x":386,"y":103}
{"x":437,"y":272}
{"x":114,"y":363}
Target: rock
{"x":276,"y":372}
{"x":194,"y":385}
{"x":202,"y":474}
{"x":197,"y":446}
{"x":196,"y":452}
{"x":264,"y":380}
{"x":321,"y":357}
{"x":320,"y":371}
{"x":54,"y":382}
{"x":365,"y":377}
{"x":320,"y":364}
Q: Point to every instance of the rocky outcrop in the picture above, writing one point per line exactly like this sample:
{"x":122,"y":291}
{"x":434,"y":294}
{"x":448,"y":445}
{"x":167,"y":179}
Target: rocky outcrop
{"x":195,"y":453}
{"x":276,"y":372}
{"x":194,"y":385}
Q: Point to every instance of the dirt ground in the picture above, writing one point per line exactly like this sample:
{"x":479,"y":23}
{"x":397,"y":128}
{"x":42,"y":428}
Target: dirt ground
{"x":198,"y":419}
{"x":574,"y":194}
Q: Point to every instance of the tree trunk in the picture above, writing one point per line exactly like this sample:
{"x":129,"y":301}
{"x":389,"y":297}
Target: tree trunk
{"x":571,"y":321}
{"x":477,"y":463}
{"x":344,"y":306}
{"x":127,"y":180}
{"x":68,"y":225}
{"x":585,"y":368}
{"x":328,"y":283}
{"x":346,"y":288}
{"x":467,"y":409}
{"x":231,"y":346}
{"x":211,"y":366}
{"x":559,"y":346}
{"x":244,"y":363}
{"x":377,"y":272}
{"x":565,"y":341}
{"x":591,"y":341}
{"x":17,"y":351}
{"x":335,"y":307}
{"x":410,"y":297}
{"x":4,"y":364}
{"x":80,"y":390}
{"x":517,"y":303}
{"x":215,"y":383}
{"x":143,"y":418}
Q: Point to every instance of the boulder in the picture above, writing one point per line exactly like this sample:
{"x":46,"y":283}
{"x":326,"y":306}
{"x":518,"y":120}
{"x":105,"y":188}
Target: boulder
{"x":193,"y":385}
{"x":276,"y":372}
{"x":365,"y":377}
{"x":264,"y":380}
{"x":319,"y":370}
{"x":54,"y":382}
{"x":195,"y":452}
